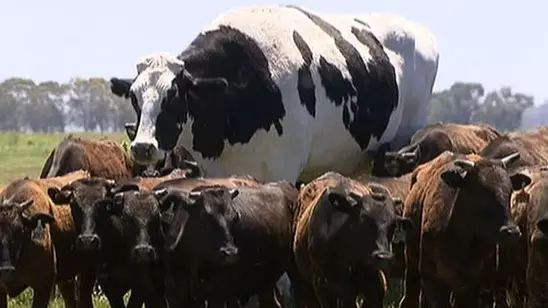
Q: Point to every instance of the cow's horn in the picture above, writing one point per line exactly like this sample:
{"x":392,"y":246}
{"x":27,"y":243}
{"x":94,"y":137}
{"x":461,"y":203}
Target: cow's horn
{"x":510,"y":159}
{"x":408,"y":154}
{"x":195,"y":194}
{"x":465,"y":164}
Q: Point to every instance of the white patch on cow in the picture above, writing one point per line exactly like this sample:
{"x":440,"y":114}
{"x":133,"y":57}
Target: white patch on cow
{"x":155,"y":75}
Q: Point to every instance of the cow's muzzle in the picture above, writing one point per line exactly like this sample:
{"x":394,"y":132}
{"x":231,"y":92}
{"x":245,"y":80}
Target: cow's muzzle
{"x":143,"y":254}
{"x":509,"y":234}
{"x":381,"y":260}
{"x":6,"y":272}
{"x":229,"y":254}
{"x":88,"y":242}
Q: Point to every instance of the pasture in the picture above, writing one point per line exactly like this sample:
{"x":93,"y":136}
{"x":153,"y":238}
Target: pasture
{"x":24,"y":154}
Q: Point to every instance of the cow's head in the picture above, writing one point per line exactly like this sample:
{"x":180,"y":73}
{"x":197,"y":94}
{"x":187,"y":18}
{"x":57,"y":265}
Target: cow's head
{"x":17,"y":227}
{"x":483,"y":199}
{"x":371,"y":217}
{"x":162,"y":89}
{"x":88,"y":200}
{"x":138,"y":214}
{"x":426,"y":145}
{"x":208,"y":211}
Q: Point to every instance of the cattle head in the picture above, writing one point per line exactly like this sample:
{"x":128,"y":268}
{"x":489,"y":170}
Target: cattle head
{"x":88,"y":200}
{"x":426,"y":145}
{"x":139,"y":216}
{"x":483,"y":197}
{"x":18,"y":227}
{"x":363,"y":222}
{"x":164,"y":89}
{"x":208,"y":211}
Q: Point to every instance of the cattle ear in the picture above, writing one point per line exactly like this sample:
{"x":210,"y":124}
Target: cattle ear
{"x":37,"y":224}
{"x":124,"y":187}
{"x":339,"y":200}
{"x":116,"y":206}
{"x":233,"y":193}
{"x":398,"y":205}
{"x":120,"y":87}
{"x":454,"y":175}
{"x":519,"y":180}
{"x":60,"y":196}
{"x":194,"y":167}
{"x":131,"y":130}
{"x":542,"y":225}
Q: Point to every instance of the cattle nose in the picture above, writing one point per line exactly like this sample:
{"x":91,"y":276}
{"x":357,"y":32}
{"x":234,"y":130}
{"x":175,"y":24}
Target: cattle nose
{"x":382,"y":259}
{"x":229,"y":254}
{"x":509,"y":234}
{"x":6,"y":272}
{"x":143,"y":152}
{"x":88,"y":242}
{"x":143,"y":254}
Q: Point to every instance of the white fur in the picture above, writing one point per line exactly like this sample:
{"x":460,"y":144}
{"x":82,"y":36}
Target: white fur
{"x":309,"y":145}
{"x":419,"y":47}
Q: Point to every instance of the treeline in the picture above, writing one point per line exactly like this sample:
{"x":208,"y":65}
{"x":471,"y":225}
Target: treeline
{"x":88,"y":105}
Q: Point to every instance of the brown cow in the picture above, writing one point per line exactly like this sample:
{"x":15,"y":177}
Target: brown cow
{"x":35,"y":241}
{"x":532,"y":146}
{"x":343,"y":231}
{"x":226,"y":242}
{"x":86,"y":199}
{"x":460,"y":207}
{"x":431,"y":141}
{"x":104,"y":158}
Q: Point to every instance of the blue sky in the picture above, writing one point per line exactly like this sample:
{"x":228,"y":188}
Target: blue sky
{"x":494,"y":42}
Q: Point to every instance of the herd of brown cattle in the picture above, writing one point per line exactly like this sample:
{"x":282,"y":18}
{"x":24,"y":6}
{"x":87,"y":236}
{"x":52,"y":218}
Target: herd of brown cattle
{"x":460,"y":215}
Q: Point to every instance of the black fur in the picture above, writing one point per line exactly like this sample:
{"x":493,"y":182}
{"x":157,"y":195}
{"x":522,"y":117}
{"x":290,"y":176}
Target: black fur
{"x":305,"y":84}
{"x":375,"y":89}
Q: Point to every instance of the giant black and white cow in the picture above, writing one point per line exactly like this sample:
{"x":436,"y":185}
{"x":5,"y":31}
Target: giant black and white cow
{"x":282,"y":92}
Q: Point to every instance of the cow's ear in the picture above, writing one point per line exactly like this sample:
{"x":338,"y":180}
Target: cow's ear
{"x":398,"y":205}
{"x":36,"y":223}
{"x":453,"y":177}
{"x":520,"y":180}
{"x":542,"y":225}
{"x":60,"y":196}
{"x":340,"y":200}
{"x":120,"y":87}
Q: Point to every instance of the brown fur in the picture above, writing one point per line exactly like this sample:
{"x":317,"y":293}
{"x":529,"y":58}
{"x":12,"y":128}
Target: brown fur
{"x":312,"y":271}
{"x":147,"y":183}
{"x":38,"y":262}
{"x":101,"y":158}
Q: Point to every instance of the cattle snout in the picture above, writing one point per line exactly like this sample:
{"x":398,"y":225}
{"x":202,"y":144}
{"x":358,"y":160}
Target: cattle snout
{"x":382,"y":260}
{"x":6,"y":272}
{"x":229,"y":254}
{"x":88,"y":242}
{"x":143,"y":254}
{"x":144,"y":153}
{"x":509,"y":234}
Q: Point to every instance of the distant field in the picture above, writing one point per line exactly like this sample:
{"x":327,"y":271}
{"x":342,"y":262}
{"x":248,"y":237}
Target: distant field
{"x":24,"y":155}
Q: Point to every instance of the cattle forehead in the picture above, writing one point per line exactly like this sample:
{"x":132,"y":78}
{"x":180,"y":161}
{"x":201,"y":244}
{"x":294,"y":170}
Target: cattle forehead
{"x":140,"y":203}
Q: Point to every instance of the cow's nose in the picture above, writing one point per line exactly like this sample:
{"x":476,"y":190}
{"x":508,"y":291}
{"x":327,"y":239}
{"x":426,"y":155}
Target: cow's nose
{"x":143,"y":254}
{"x":229,"y":254}
{"x":88,"y":242}
{"x":6,"y":272}
{"x":143,"y":151}
{"x":509,"y":234}
{"x":382,"y":259}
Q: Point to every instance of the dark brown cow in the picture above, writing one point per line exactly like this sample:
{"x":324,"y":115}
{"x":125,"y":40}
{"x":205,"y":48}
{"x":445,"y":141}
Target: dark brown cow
{"x":226,"y":242}
{"x":431,"y":141}
{"x":35,"y":242}
{"x":526,"y":264}
{"x":460,"y":207}
{"x":102,"y":237}
{"x":105,"y":158}
{"x":531,"y":145}
{"x":342,"y":244}
{"x":399,"y":188}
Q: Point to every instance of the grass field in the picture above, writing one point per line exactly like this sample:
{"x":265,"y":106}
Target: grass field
{"x":23,"y":155}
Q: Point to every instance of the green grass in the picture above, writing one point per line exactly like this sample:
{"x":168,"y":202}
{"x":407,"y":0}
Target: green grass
{"x":24,"y":154}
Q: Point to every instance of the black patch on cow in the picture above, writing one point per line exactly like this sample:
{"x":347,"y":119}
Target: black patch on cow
{"x":375,"y":90}
{"x":305,"y":84}
{"x":252,"y":100}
